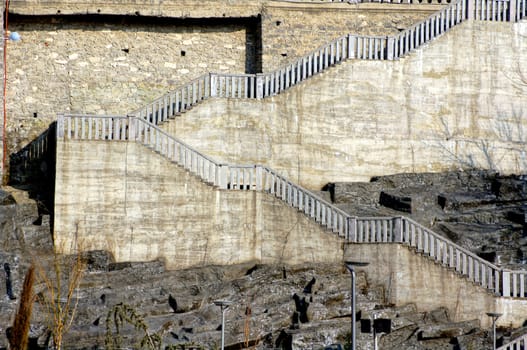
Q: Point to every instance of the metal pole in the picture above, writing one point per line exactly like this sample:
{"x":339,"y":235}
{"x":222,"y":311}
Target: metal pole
{"x":223,"y":309}
{"x":349,"y":266}
{"x":375,"y":345}
{"x":494,"y":332}
{"x":353,"y":326}
{"x":495,"y":317}
{"x":223,"y":304}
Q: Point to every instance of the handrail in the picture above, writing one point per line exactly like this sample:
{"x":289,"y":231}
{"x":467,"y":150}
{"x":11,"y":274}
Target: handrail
{"x":428,"y":29}
{"x":452,"y":255}
{"x":516,"y":344}
{"x":261,"y":178}
{"x":36,"y":149}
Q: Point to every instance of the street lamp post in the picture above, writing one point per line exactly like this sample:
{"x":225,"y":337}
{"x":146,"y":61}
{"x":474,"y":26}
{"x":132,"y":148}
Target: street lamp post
{"x":495,"y":317}
{"x":223,"y":304}
{"x":349,"y":266}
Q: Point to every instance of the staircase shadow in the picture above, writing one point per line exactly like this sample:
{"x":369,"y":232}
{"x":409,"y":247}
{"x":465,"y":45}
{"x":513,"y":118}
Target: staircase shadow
{"x":32,"y":169}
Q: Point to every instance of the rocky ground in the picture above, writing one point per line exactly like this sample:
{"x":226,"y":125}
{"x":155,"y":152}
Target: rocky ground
{"x":287,"y":307}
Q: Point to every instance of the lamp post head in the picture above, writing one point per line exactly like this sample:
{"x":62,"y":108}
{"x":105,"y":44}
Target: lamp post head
{"x":495,"y":315}
{"x":222,"y":303}
{"x":351,"y":264}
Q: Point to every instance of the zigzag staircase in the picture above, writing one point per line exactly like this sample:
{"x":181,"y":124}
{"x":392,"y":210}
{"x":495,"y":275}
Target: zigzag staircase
{"x":403,"y":230}
{"x":141,"y":126}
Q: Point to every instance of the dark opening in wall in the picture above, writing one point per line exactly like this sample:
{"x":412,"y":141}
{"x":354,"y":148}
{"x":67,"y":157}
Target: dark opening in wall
{"x":256,"y":39}
{"x":183,"y":53}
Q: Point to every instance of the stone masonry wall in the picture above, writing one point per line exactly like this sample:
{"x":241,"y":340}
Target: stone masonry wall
{"x":124,"y":198}
{"x":112,"y":65}
{"x":161,"y":8}
{"x":457,"y":102}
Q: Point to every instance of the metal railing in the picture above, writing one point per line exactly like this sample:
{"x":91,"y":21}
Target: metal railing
{"x":260,"y":178}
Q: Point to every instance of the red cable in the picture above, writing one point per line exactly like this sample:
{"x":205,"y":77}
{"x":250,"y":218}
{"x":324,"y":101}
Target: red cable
{"x":4,"y":144}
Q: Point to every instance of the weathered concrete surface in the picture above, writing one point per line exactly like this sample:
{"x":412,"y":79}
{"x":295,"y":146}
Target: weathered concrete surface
{"x":409,"y":277}
{"x":123,"y":198}
{"x":457,"y":102}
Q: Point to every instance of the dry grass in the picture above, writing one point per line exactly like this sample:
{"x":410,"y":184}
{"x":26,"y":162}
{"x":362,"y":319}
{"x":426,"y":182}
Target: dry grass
{"x":18,"y":339}
{"x":61,"y":280}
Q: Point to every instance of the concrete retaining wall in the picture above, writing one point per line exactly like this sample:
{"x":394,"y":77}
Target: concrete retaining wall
{"x":122,"y":197}
{"x":457,"y":102}
{"x":408,"y":277}
{"x":126,"y":199}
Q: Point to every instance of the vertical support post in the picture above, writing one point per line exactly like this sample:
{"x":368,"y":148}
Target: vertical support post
{"x":397,"y":230}
{"x":352,"y":43}
{"x":470,"y":9}
{"x":222,"y":176}
{"x":213,"y":85}
{"x":512,"y":11}
{"x":259,"y":179}
{"x":259,"y":86}
{"x":390,"y":48}
{"x":352,"y":229}
{"x":60,"y":126}
{"x":131,"y":127}
{"x":506,"y":281}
